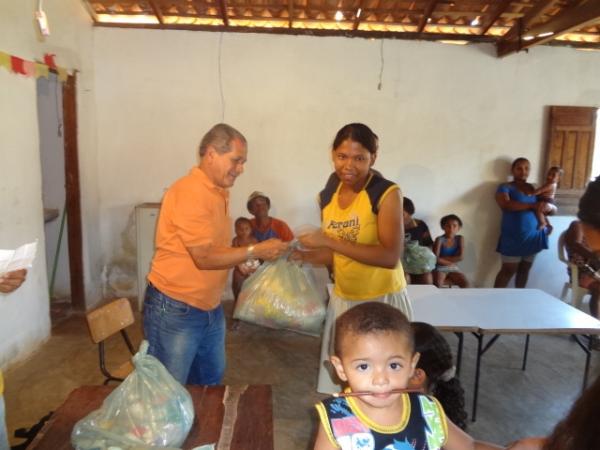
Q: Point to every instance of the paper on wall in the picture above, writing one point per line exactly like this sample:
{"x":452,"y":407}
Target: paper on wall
{"x":21,"y":258}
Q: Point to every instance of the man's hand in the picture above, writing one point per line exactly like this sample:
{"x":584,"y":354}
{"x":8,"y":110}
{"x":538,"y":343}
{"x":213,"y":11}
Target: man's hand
{"x":12,"y":280}
{"x":270,"y":249}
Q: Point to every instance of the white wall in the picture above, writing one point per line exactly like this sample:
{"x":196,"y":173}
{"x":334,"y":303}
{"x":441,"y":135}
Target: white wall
{"x":24,"y":318}
{"x":450,"y":119}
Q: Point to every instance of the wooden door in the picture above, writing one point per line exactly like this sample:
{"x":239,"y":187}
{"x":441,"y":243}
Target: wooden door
{"x":571,"y":144}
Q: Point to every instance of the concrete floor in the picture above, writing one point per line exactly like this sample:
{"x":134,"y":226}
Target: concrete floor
{"x":512,"y":403}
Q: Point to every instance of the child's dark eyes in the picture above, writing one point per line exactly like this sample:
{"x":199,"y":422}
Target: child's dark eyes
{"x":395,"y":366}
{"x":362,"y":367}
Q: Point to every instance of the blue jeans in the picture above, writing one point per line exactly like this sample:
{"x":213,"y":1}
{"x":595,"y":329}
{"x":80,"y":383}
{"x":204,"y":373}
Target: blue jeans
{"x":190,"y":342}
{"x":3,"y":434}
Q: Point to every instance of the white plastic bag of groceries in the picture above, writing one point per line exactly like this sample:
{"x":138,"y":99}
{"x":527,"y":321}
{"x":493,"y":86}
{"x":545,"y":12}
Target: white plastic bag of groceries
{"x":282,"y":295}
{"x":150,"y":409}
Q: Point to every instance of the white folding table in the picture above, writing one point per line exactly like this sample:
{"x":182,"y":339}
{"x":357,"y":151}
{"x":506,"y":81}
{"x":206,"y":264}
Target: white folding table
{"x":500,"y":311}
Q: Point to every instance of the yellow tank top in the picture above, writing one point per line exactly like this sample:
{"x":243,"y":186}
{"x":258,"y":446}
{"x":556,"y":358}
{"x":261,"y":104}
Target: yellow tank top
{"x":358,"y":223}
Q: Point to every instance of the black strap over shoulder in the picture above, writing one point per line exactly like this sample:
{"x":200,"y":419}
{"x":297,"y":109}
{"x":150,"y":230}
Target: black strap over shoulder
{"x":376,"y":187}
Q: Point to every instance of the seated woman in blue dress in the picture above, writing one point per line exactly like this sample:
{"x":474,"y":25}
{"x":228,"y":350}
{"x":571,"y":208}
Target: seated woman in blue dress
{"x":520,"y":239}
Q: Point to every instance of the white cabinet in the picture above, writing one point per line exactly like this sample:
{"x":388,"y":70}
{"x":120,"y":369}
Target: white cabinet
{"x":146,"y":216}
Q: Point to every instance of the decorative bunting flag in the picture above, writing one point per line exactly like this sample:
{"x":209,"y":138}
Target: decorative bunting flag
{"x":17,"y":65}
{"x":33,"y":69}
{"x":41,"y":70}
{"x":5,"y":60}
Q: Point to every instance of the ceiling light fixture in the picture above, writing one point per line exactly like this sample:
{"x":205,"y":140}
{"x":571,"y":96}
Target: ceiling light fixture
{"x":547,"y":33}
{"x":527,"y":38}
{"x":339,"y":16}
{"x":476,"y":21}
{"x":42,"y":20}
{"x":359,"y":12}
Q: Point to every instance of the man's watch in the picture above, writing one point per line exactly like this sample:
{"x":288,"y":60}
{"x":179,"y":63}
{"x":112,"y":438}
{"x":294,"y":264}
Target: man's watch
{"x":250,"y":252}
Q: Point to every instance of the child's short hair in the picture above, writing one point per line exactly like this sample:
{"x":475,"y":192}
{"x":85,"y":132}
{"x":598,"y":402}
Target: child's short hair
{"x":437,"y":362}
{"x":240,"y":220}
{"x":444,"y":220}
{"x":371,"y":317}
{"x":556,"y":169}
{"x":408,"y":206}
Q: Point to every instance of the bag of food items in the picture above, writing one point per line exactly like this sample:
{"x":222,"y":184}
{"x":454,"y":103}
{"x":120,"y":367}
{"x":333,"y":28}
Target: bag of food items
{"x":418,"y":259}
{"x":150,"y":409}
{"x":282,"y":295}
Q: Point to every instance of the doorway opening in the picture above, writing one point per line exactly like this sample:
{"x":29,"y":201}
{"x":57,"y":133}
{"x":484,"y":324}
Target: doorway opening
{"x":60,"y":193}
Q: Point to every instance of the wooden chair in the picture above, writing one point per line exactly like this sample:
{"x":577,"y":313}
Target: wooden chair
{"x":577,"y":292}
{"x":105,"y":322}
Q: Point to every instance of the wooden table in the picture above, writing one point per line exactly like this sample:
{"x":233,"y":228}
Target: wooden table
{"x":252,"y":428}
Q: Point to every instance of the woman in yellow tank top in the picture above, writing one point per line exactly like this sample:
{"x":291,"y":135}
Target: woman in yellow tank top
{"x":361,"y":236}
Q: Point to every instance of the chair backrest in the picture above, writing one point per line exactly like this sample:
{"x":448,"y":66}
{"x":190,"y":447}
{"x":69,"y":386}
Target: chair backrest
{"x":109,"y":319}
{"x":562,"y":251}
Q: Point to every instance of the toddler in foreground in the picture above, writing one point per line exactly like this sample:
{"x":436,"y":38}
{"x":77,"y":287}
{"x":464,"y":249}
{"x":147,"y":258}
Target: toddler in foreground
{"x":375,"y":357}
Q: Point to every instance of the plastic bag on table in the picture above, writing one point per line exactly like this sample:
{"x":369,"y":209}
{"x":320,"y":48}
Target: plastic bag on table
{"x":150,"y":409}
{"x":282,"y":295}
{"x":418,"y":259}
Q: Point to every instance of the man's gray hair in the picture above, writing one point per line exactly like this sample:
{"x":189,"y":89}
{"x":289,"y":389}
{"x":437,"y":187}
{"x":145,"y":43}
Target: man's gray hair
{"x":220,"y":137}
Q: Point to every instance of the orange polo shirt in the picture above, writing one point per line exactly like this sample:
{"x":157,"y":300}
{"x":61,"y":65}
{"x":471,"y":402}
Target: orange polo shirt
{"x":194,"y":211}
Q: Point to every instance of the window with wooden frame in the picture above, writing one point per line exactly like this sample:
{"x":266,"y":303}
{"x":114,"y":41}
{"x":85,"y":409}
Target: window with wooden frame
{"x":571,"y":142}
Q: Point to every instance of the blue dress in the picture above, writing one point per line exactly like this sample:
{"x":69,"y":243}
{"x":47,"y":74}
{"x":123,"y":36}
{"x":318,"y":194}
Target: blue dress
{"x":519,"y":234}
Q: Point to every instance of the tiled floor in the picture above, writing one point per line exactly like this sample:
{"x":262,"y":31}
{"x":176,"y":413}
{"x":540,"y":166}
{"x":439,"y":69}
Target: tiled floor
{"x":512,"y":403}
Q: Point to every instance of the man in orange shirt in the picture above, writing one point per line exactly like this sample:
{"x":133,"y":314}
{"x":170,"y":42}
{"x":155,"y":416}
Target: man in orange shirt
{"x":184,"y":321}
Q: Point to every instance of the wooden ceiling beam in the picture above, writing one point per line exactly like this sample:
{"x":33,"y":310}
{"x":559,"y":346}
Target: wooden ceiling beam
{"x":223,"y":6}
{"x":585,"y":13}
{"x":310,"y":32}
{"x":156,"y":11}
{"x":531,"y":16}
{"x":502,"y":7}
{"x":426,"y":15}
{"x":91,"y":11}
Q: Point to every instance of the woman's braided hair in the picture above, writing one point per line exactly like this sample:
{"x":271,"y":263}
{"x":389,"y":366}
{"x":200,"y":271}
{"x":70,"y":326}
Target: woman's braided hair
{"x":438,"y":363}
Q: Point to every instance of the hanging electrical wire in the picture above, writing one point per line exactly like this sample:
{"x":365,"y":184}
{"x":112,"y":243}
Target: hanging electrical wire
{"x":380,"y":85}
{"x":221,"y":79}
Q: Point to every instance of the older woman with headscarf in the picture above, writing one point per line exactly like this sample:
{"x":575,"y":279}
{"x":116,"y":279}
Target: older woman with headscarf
{"x":263,"y":225}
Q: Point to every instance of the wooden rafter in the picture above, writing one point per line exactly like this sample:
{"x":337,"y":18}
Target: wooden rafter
{"x":91,"y":11}
{"x":156,"y":11}
{"x":530,"y":17}
{"x":426,"y":15}
{"x":502,"y":7}
{"x":497,"y":16}
{"x":584,"y":14}
{"x":223,"y":5}
{"x":357,"y":15}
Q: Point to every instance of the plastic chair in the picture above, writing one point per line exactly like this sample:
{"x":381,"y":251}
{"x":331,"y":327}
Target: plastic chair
{"x":105,"y":322}
{"x":577,"y":292}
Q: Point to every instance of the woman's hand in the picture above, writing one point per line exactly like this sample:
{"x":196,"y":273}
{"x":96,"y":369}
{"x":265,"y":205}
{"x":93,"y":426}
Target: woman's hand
{"x":314,"y":239}
{"x":12,"y":280}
